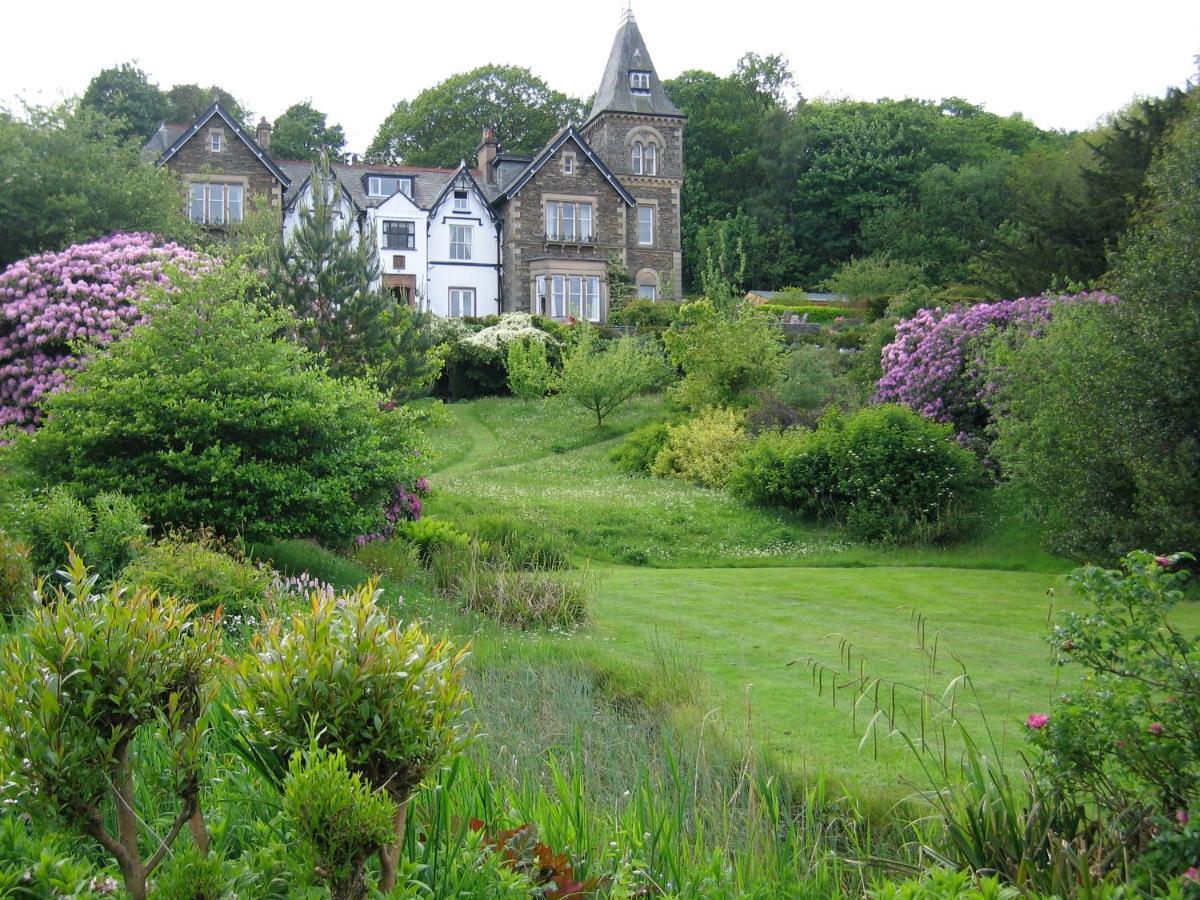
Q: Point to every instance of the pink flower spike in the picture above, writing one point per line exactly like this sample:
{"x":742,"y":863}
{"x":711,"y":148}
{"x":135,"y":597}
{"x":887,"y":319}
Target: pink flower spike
{"x":1037,"y":721}
{"x":1181,"y":816}
{"x":1155,"y":728}
{"x":1192,"y":875}
{"x":1164,"y":561}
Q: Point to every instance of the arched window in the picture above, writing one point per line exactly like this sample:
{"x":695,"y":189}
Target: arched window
{"x":637,"y":157}
{"x":651,"y":166}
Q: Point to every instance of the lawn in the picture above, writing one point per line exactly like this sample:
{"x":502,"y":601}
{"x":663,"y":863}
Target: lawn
{"x":746,"y":597}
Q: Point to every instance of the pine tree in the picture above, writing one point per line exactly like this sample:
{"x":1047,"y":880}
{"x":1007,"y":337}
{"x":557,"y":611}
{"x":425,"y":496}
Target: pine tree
{"x":330,"y":280}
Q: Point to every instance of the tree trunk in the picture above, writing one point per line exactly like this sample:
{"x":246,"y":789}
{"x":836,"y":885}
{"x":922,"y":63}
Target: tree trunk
{"x":199,"y":831}
{"x":351,"y":888}
{"x":132,"y":870}
{"x":389,"y":857}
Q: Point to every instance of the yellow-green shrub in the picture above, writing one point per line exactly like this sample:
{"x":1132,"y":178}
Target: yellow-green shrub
{"x":703,"y":450}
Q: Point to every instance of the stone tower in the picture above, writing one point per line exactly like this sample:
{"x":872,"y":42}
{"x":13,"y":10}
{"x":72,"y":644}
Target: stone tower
{"x":638,"y":132}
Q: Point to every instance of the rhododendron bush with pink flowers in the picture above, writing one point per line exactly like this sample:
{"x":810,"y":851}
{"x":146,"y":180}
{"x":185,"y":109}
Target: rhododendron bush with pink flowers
{"x":937,"y":363}
{"x":88,"y":293}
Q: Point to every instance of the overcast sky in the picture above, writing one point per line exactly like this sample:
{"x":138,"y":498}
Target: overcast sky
{"x":1061,"y":64}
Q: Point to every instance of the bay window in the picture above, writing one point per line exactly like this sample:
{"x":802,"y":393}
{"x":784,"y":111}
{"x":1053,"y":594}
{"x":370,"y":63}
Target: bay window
{"x":576,"y":296}
{"x":539,"y":294}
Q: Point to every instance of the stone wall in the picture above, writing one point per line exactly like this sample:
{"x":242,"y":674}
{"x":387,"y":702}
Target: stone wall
{"x":235,"y":163}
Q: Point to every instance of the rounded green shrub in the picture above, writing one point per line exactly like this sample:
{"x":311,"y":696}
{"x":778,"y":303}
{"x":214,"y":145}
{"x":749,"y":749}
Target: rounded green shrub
{"x":207,"y":416}
{"x":703,"y":450}
{"x":886,"y":473}
{"x":636,"y":454}
{"x":199,"y":571}
{"x":108,"y":533}
{"x":189,"y":875}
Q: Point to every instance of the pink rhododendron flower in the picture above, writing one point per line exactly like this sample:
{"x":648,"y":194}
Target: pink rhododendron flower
{"x":1164,"y":561}
{"x":1037,"y":720}
{"x":1155,"y":728}
{"x":1193,"y":875}
{"x":1181,"y":816}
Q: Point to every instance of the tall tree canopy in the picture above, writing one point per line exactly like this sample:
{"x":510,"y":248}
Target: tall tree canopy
{"x":124,"y":94}
{"x":70,"y":176}
{"x":187,"y":101}
{"x":442,"y":124}
{"x":301,"y":133}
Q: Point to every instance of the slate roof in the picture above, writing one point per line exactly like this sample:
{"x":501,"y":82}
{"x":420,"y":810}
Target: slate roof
{"x":190,"y":131}
{"x":428,"y":182}
{"x":167,"y":134}
{"x":629,"y":53}
{"x":568,"y":133}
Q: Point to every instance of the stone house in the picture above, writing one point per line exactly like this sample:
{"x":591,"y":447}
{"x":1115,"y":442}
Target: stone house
{"x":516,"y":233}
{"x":223,"y":168}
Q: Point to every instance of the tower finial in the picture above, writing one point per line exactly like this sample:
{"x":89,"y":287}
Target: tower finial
{"x":628,"y":14}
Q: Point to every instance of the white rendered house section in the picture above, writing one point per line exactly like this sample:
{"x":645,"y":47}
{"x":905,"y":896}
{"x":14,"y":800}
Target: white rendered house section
{"x":464,"y":256}
{"x":401,"y":234}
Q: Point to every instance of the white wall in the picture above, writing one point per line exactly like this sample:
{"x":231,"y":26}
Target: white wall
{"x":291,"y":218}
{"x":399,"y":207}
{"x":481,"y":274}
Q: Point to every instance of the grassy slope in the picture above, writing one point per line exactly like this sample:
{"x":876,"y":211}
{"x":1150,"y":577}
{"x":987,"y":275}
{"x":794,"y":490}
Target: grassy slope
{"x":740,"y":592}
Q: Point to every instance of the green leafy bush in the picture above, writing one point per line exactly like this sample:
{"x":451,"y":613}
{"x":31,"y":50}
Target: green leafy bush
{"x":1123,"y":740}
{"x":341,"y":820}
{"x":645,"y":314}
{"x":389,"y":697}
{"x":16,"y":576}
{"x":136,"y":663}
{"x":703,"y":450}
{"x":206,"y":416}
{"x":945,"y":884}
{"x":818,"y":315}
{"x":725,"y":356}
{"x":394,"y":558}
{"x":111,"y":531}
{"x":885,"y":473}
{"x":472,"y":371}
{"x":200,"y":571}
{"x":636,"y":454}
{"x":522,"y":546}
{"x":429,"y":535}
{"x":190,"y":875}
{"x":530,"y":376}
{"x":809,"y":380}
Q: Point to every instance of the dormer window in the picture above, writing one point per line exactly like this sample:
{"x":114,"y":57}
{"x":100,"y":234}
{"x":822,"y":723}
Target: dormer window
{"x":386,"y":185}
{"x":639,"y":81}
{"x":462,"y":203}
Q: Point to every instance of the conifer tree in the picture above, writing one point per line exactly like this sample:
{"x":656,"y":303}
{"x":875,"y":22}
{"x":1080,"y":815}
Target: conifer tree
{"x":329,"y":277}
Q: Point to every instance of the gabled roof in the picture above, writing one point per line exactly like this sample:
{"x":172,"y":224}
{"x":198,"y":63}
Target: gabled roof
{"x":567,"y":134}
{"x":427,"y":182}
{"x":301,"y":175}
{"x":628,"y":54}
{"x":202,"y":119}
{"x":462,"y":176}
{"x":166,"y":135}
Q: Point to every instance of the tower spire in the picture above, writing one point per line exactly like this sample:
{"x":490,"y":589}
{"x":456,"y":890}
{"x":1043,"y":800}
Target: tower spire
{"x":630,"y":83}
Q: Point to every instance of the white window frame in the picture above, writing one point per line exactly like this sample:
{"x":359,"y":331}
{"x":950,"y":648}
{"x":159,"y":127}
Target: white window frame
{"x":644,"y":239}
{"x":539,"y":294}
{"x":216,"y":141}
{"x":568,"y":164}
{"x":461,"y":299}
{"x":375,"y":185}
{"x":636,"y":163}
{"x":639,"y":82}
{"x":230,"y":198}
{"x":648,"y":292}
{"x":591,"y":298}
{"x":558,"y":308}
{"x":651,"y":166}
{"x":575,"y":297}
{"x":461,"y":249}
{"x":569,"y":221}
{"x":462,"y":201}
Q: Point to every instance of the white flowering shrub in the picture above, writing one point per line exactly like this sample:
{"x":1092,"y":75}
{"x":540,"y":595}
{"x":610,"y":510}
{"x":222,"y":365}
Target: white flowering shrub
{"x":511,"y":327}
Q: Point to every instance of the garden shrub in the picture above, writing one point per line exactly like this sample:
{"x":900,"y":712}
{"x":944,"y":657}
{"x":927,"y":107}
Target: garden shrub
{"x":808,"y":381}
{"x":645,"y":314}
{"x":136,"y":662}
{"x":725,"y":357}
{"x":636,"y":454}
{"x":530,"y":376}
{"x":111,"y":531}
{"x":1122,"y":741}
{"x":206,"y":416}
{"x":16,"y":576}
{"x":472,"y":371}
{"x":87,"y":293}
{"x":341,"y":821}
{"x":885,"y":473}
{"x":522,"y":546}
{"x":703,"y":450}
{"x":396,"y":558}
{"x":429,"y":535}
{"x":390,"y":697}
{"x":945,"y":884}
{"x":190,"y":875}
{"x":199,"y":570}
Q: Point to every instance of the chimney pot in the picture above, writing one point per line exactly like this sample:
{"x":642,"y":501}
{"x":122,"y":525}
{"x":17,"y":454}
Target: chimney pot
{"x":262,"y":134}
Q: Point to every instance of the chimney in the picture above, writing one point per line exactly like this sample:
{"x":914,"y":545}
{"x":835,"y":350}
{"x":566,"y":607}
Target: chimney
{"x":262,"y":135}
{"x":485,"y":155}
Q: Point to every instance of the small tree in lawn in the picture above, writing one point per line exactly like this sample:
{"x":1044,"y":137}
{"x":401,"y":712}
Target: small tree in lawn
{"x":90,"y":673}
{"x":600,"y":378}
{"x":390,"y":698}
{"x":530,"y":376}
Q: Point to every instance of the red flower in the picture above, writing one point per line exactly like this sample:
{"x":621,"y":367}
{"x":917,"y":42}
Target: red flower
{"x":1037,"y":720}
